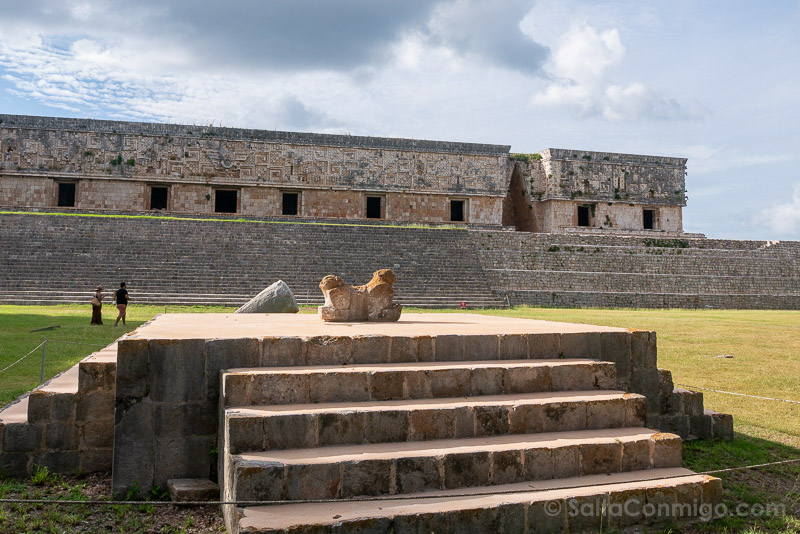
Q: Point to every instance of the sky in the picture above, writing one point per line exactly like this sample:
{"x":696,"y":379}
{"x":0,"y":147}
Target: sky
{"x":715,"y":81}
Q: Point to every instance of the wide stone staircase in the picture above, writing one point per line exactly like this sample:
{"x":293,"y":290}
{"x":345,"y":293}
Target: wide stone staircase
{"x":634,"y":271}
{"x":49,"y":259}
{"x":468,"y":445}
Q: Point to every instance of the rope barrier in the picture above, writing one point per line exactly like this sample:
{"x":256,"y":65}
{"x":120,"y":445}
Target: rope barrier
{"x":384,"y":497}
{"x":31,"y":352}
{"x":737,"y":394}
{"x":75,"y":343}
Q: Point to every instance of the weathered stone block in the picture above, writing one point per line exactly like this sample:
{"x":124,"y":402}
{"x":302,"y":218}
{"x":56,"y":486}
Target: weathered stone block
{"x":564,"y":416}
{"x":282,"y":352}
{"x":466,"y":470}
{"x":472,"y":520}
{"x":543,"y":346}
{"x":342,"y":428}
{"x":177,"y":370}
{"x":94,"y":434}
{"x":387,"y":426}
{"x":431,"y":424}
{"x":506,"y":467}
{"x":513,"y":347}
{"x":601,"y":458}
{"x":170,"y":458}
{"x":449,"y":382}
{"x":585,"y":513}
{"x":97,"y":375}
{"x":362,"y":525}
{"x":403,"y":349}
{"x":259,"y":481}
{"x":185,"y":419}
{"x":527,"y":418}
{"x":95,"y":405}
{"x":674,"y":423}
{"x":22,"y":437}
{"x":224,"y":354}
{"x":132,"y":366}
{"x":644,"y":353}
{"x":646,"y":382}
{"x":580,"y":345}
{"x":328,"y":350}
{"x":420,"y":523}
{"x":615,"y":347}
{"x":575,"y":377}
{"x":566,"y":461}
{"x":15,"y":464}
{"x":388,"y":385}
{"x":247,"y":433}
{"x":449,"y":348}
{"x":546,"y":517}
{"x":538,"y":463}
{"x":491,"y":420}
{"x":61,"y":437}
{"x":636,"y":455}
{"x":66,"y":462}
{"x":625,"y":508}
{"x":323,"y":480}
{"x":666,"y":450}
{"x":486,"y":381}
{"x":483,"y":347}
{"x":64,"y":407}
{"x":419,"y":386}
{"x":635,"y":410}
{"x":662,"y":500}
{"x":372,"y":477}
{"x":721,"y":425}
{"x":95,"y":460}
{"x":418,"y":474}
{"x":700,"y":426}
{"x":371,"y":349}
{"x":528,"y":380}
{"x":192,"y":489}
{"x":337,"y":386}
{"x":608,"y":413}
{"x":296,"y":431}
{"x":40,"y":406}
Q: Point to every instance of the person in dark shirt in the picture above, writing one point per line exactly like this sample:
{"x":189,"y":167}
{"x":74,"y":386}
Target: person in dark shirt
{"x":122,"y":303}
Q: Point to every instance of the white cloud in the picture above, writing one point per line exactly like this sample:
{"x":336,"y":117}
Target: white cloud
{"x":580,"y":68}
{"x":783,"y":219}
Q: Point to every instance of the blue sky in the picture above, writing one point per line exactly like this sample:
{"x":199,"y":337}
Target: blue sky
{"x":714,"y":81}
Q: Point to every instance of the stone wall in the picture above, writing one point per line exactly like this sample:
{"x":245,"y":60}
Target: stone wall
{"x":116,"y":162}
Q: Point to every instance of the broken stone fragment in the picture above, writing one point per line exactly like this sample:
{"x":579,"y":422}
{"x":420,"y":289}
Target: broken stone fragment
{"x":277,"y":298}
{"x":370,"y":302}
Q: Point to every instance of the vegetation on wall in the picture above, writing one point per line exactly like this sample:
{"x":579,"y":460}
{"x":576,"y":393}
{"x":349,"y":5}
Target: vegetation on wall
{"x":527,"y":158}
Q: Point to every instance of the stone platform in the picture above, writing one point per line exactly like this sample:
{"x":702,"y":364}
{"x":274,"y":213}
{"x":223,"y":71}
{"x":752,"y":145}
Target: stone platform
{"x":473,"y":421}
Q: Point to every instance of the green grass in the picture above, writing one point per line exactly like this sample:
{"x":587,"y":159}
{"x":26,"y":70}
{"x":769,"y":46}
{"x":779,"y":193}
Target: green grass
{"x":231,"y":220}
{"x":67,"y":345}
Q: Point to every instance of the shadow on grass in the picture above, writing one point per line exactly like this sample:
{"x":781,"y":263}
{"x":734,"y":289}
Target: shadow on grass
{"x":758,"y":500}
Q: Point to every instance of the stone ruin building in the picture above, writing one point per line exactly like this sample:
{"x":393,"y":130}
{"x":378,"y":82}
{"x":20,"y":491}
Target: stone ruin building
{"x":81,"y":164}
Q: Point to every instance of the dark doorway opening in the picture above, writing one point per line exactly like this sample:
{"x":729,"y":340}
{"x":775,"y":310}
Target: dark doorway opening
{"x":290,"y":203}
{"x":66,"y":195}
{"x":225,"y":201}
{"x":583,"y":216}
{"x":373,"y":207}
{"x":648,"y":216}
{"x":457,"y":210}
{"x":158,"y":198}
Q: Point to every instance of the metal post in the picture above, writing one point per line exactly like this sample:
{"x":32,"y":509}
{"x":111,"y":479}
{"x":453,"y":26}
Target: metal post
{"x":44,"y":353}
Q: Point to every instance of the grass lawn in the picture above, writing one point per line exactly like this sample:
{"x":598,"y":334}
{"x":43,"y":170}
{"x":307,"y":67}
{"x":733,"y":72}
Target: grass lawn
{"x":765,"y":346}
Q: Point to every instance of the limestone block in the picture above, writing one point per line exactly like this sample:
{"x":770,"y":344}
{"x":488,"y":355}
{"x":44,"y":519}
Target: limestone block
{"x":22,"y":437}
{"x":277,"y":298}
{"x":371,"y":302}
{"x":487,"y":381}
{"x":64,"y":437}
{"x":372,"y":477}
{"x":387,"y":426}
{"x":58,"y":461}
{"x":431,"y":424}
{"x":491,"y":420}
{"x":513,"y":347}
{"x":538,"y":463}
{"x":635,"y":410}
{"x":95,"y":460}
{"x":328,"y":350}
{"x":721,"y":425}
{"x":580,"y":345}
{"x":483,"y":347}
{"x":646,"y":382}
{"x":322,"y":480}
{"x":605,"y":414}
{"x":449,"y":382}
{"x":564,"y":416}
{"x":246,"y":433}
{"x":528,"y":380}
{"x":601,"y":458}
{"x":466,"y":470}
{"x":388,"y":385}
{"x":667,"y":451}
{"x":282,"y":352}
{"x":96,"y":375}
{"x":95,"y":406}
{"x":615,"y":347}
{"x":506,"y":467}
{"x":337,"y":387}
{"x":289,"y":432}
{"x":449,"y":348}
{"x":192,"y":489}
{"x":543,"y":346}
{"x":527,"y":419}
{"x":543,"y":520}
{"x":64,"y":406}
{"x":40,"y":406}
{"x":644,"y":353}
{"x":132,"y":367}
{"x":15,"y":464}
{"x":342,"y":428}
{"x":636,"y":455}
{"x":418,"y":474}
{"x":371,"y":349}
{"x":566,"y":461}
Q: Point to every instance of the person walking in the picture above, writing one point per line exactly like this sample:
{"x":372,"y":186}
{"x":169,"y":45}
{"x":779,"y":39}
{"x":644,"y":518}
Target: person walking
{"x":97,"y":306}
{"x":122,"y":303}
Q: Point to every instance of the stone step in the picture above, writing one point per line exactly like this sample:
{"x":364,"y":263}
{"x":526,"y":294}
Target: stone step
{"x":398,"y":468}
{"x":298,"y":426}
{"x":303,"y":385}
{"x":613,"y":501}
